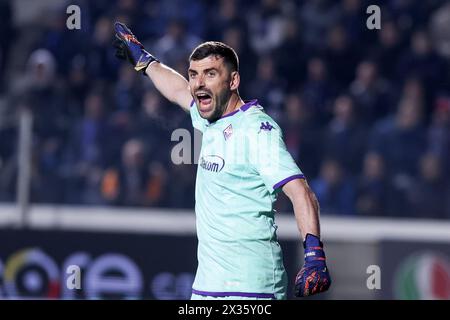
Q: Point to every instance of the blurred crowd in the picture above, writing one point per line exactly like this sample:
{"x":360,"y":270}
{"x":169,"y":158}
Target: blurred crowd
{"x":365,"y":113}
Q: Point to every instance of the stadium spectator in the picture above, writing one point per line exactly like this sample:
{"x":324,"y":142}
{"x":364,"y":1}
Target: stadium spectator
{"x":345,"y":136}
{"x":440,"y":29}
{"x":6,"y":31}
{"x":152,"y":124}
{"x":192,"y":13}
{"x":266,"y":25}
{"x":126,"y":185}
{"x":335,"y":191}
{"x":119,"y":129}
{"x":317,"y":18}
{"x":439,"y":133}
{"x":372,"y":187}
{"x":318,"y":90}
{"x":421,"y":60}
{"x":370,"y":92}
{"x":301,"y":134}
{"x":352,"y":12}
{"x":268,"y":86}
{"x":401,"y":138}
{"x":388,"y":49}
{"x":101,"y":61}
{"x":176,"y":44}
{"x":157,"y":187}
{"x":78,"y":85}
{"x":291,"y":54}
{"x":227,"y":16}
{"x":127,"y":91}
{"x":341,"y":55}
{"x":430,"y":194}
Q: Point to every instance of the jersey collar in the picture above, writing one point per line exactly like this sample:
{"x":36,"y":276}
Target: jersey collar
{"x":243,"y":108}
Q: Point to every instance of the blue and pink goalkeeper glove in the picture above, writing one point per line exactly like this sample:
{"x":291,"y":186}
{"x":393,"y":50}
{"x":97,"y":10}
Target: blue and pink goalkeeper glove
{"x":129,"y":48}
{"x":313,"y":278}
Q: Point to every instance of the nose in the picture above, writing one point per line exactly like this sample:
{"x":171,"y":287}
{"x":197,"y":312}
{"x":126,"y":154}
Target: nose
{"x":200,"y":82}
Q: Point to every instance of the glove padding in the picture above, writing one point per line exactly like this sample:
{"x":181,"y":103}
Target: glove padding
{"x":313,"y":278}
{"x":129,"y":48}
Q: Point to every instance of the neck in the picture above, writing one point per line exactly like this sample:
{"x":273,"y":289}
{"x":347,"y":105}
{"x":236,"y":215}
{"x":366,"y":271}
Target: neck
{"x":234,"y":103}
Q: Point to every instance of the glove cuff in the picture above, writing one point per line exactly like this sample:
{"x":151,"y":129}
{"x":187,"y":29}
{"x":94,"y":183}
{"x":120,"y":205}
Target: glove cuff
{"x":144,"y":61}
{"x":312,"y":241}
{"x":313,"y":249}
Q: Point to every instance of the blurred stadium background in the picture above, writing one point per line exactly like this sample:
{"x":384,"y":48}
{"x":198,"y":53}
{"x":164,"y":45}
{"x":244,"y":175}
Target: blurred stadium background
{"x":86,"y":176}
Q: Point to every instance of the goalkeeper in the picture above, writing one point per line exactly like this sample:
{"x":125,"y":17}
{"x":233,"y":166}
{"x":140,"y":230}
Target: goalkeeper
{"x":243,"y":165}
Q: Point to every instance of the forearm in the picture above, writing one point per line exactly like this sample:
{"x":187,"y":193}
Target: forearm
{"x":172,"y":85}
{"x":313,"y":277}
{"x":306,"y":207}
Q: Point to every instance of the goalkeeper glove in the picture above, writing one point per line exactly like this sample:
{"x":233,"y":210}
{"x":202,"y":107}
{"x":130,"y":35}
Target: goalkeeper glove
{"x":129,"y":48}
{"x":313,"y":278}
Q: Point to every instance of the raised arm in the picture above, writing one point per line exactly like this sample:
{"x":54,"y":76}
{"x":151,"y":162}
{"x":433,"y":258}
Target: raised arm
{"x":313,"y":278}
{"x":170,"y":84}
{"x":167,"y":81}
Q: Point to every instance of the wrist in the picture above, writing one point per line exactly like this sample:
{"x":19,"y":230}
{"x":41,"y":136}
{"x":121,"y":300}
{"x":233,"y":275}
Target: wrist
{"x":312,"y":241}
{"x":152,"y":63}
{"x":313,"y":248}
{"x":144,"y":60}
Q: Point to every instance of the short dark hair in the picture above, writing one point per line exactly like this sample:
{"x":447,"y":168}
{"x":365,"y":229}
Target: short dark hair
{"x":218,"y":49}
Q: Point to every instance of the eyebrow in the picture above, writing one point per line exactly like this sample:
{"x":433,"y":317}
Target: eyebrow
{"x":204,"y":71}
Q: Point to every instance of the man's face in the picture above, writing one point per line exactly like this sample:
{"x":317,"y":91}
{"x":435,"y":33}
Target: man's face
{"x":209,"y":81}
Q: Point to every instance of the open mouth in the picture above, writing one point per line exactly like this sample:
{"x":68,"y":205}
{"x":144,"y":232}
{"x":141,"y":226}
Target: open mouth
{"x":204,"y":98}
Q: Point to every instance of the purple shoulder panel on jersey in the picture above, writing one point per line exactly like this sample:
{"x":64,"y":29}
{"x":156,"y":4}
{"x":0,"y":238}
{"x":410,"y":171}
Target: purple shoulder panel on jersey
{"x":284,"y":181}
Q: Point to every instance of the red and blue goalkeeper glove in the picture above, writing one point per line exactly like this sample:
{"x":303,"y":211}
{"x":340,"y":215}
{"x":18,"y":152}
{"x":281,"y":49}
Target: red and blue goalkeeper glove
{"x":129,"y":48}
{"x":313,"y":278}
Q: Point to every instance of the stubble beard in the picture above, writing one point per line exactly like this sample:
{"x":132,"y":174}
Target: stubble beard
{"x":221,"y":102}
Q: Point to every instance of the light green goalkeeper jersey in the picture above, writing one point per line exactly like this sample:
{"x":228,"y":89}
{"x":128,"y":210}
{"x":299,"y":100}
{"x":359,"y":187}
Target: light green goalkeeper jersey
{"x":243,"y":163}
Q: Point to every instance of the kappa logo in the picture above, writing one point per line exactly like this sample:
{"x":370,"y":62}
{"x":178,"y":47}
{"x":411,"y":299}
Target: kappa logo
{"x":266,"y":126}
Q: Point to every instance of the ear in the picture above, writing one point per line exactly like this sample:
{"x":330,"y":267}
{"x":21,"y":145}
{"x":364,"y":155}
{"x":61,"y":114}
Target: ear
{"x":235,"y":80}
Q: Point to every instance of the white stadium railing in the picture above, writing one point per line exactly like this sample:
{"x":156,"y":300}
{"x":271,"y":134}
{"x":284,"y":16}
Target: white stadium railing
{"x":173,"y":221}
